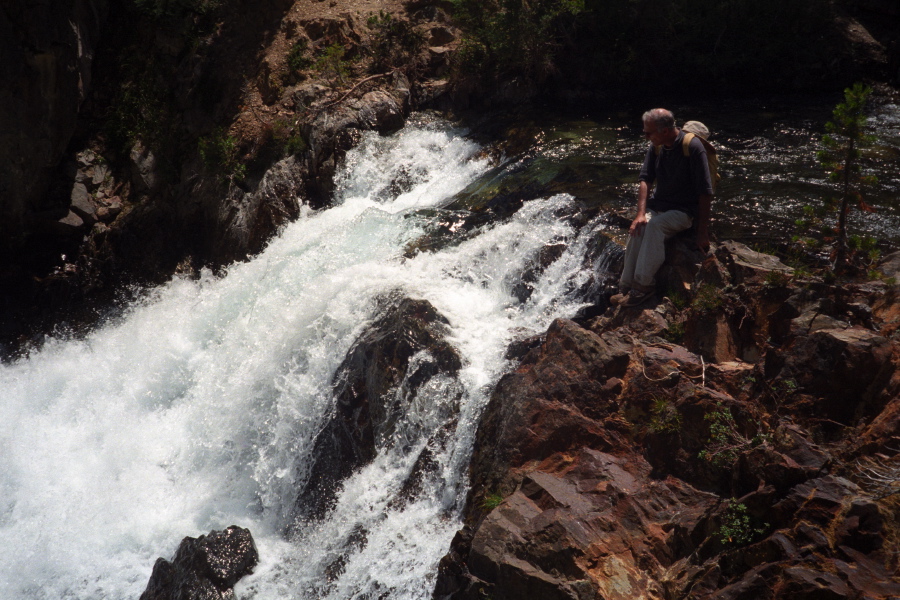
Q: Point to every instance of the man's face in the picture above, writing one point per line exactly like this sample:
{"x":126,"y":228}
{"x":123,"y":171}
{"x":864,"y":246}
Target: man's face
{"x":653,"y":133}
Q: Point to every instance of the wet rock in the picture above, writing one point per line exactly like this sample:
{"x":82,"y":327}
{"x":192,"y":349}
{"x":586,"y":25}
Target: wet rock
{"x":246,"y":219}
{"x":144,"y":168}
{"x":336,"y":129}
{"x":205,"y":568}
{"x":382,"y":378}
{"x":381,"y":111}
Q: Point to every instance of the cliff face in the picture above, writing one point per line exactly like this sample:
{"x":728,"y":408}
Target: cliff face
{"x":46,"y":56}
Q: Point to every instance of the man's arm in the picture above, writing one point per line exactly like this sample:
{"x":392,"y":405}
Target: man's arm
{"x":640,"y":221}
{"x":704,"y":208}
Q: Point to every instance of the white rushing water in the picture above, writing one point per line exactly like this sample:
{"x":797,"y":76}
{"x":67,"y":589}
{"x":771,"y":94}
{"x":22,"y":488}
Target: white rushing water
{"x":198,"y":409}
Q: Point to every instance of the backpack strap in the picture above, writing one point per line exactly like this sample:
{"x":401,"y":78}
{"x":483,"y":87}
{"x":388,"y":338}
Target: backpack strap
{"x":686,"y":143}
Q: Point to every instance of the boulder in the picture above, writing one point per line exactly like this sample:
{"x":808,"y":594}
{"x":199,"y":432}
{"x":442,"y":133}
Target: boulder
{"x":378,"y":384}
{"x":82,"y":205}
{"x":205,"y":568}
{"x":838,"y":372}
{"x":745,"y":264}
{"x":245,"y":220}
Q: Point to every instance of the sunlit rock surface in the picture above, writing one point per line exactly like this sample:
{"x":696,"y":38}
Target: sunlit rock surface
{"x":615,"y":463}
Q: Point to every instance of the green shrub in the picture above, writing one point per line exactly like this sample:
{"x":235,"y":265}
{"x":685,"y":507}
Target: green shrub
{"x":298,"y":59}
{"x":219,"y":153}
{"x":396,"y":42}
{"x":776,"y":279}
{"x":512,"y":37}
{"x":737,"y":528}
{"x":708,"y":298}
{"x":675,"y":332}
{"x":665,"y":417}
{"x":332,"y":66}
{"x":288,"y":138}
{"x":725,"y":441}
{"x":679,"y":300}
{"x":491,"y":501}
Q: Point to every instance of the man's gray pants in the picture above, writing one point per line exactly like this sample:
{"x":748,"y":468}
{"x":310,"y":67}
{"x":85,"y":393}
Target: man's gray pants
{"x":645,"y":253}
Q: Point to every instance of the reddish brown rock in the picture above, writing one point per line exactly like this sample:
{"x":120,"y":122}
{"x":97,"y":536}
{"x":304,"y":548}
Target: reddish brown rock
{"x":586,"y":526}
{"x":838,"y":372}
{"x":599,"y":433}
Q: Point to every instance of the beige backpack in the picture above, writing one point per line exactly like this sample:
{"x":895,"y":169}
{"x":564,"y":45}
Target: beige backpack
{"x":699,"y":130}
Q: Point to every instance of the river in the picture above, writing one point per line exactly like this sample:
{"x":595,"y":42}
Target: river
{"x":198,"y":407}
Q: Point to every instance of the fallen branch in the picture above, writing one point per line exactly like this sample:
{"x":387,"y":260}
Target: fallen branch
{"x":353,"y":89}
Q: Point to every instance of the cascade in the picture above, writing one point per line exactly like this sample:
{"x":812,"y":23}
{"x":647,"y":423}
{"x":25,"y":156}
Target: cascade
{"x":200,"y":406}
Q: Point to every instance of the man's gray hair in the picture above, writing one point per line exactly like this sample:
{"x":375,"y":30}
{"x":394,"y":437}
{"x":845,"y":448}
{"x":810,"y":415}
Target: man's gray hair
{"x":661,"y":117}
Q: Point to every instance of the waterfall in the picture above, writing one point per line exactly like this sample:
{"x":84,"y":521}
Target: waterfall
{"x":199,"y":407}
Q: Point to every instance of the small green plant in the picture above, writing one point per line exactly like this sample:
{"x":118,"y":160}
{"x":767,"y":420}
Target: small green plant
{"x":675,"y":332}
{"x":725,"y":441}
{"x":298,"y":59}
{"x":776,"y":279}
{"x":665,"y":417}
{"x":736,"y":528}
{"x":396,"y":42}
{"x":288,"y":138}
{"x":679,"y":300}
{"x":219,"y":153}
{"x":491,"y":501}
{"x":707,"y":298}
{"x":332,"y":66}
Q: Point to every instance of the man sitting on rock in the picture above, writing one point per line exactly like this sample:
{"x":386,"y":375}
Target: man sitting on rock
{"x":683,"y":193}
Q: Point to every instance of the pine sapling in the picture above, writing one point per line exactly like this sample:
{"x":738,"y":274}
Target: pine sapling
{"x":841,"y":156}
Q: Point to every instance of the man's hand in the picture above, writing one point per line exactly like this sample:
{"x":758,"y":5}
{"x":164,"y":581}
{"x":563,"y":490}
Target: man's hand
{"x":637,"y":226}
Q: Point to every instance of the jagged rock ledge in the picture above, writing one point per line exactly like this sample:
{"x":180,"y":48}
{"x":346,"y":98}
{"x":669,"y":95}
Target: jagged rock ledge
{"x":710,"y":447}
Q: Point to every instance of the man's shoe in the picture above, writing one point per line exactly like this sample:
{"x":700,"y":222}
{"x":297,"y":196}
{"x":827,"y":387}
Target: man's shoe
{"x":636,"y":297}
{"x":618,"y":298}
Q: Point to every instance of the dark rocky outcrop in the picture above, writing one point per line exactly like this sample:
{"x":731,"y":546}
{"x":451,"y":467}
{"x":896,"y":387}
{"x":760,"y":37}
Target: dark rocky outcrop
{"x":378,"y":382}
{"x":46,"y":56}
{"x":204,"y":568}
{"x":615,"y":463}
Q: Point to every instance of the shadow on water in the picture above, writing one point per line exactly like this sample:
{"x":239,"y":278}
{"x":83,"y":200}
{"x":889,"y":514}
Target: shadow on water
{"x":767,"y":152}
